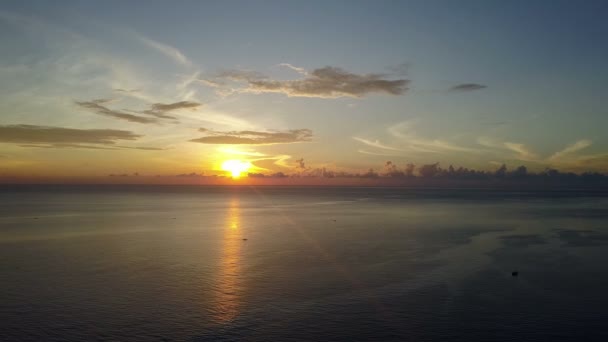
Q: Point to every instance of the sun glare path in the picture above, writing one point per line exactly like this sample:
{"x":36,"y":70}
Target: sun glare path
{"x":236,"y":167}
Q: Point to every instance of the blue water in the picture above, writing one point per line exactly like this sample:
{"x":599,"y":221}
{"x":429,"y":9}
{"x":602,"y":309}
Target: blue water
{"x":301,"y":264}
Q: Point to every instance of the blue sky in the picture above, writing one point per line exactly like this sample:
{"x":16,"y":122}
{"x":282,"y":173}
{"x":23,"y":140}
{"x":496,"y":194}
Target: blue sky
{"x":472,"y":83}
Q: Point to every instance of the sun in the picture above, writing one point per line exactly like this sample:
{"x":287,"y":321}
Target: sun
{"x":236,"y":167}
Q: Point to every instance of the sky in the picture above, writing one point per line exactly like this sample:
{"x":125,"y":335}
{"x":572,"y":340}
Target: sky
{"x":159,"y":88}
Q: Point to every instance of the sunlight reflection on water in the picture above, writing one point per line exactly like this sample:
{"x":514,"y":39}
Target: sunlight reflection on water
{"x":228,"y":284}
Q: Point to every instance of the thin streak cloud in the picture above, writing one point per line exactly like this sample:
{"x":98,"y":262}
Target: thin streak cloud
{"x":32,"y":134}
{"x":376,"y":143}
{"x":577,"y":146}
{"x":96,"y":106}
{"x":165,"y":49}
{"x":254,"y":137}
{"x":467,"y":87}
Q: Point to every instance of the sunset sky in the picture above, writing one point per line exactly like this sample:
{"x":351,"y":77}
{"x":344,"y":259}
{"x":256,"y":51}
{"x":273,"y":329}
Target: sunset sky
{"x":92,"y":88}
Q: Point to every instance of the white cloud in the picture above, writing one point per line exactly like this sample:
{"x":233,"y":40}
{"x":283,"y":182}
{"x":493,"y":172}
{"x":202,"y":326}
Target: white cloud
{"x":165,"y":49}
{"x":522,"y":152}
{"x":570,"y":149}
{"x":376,"y":143}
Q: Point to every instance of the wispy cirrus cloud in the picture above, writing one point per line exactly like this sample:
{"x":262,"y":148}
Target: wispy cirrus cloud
{"x":387,"y":154}
{"x":376,"y":144}
{"x":522,"y":151}
{"x":405,"y":140}
{"x":254,"y":137}
{"x":165,"y":49}
{"x":299,"y":70}
{"x":467,"y":87}
{"x":270,"y":162}
{"x":327,"y":82}
{"x":570,"y":149}
{"x":564,"y":157}
{"x":406,"y":136}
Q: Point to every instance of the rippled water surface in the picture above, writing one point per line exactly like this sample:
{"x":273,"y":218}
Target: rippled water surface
{"x":299,"y":264}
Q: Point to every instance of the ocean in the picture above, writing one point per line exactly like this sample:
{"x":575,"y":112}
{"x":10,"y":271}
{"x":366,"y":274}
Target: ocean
{"x":188,"y":263}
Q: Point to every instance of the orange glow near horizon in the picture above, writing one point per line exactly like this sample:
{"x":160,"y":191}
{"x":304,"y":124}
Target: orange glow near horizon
{"x":236,"y":167}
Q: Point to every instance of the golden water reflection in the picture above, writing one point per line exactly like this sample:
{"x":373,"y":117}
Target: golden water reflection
{"x":228,"y":284}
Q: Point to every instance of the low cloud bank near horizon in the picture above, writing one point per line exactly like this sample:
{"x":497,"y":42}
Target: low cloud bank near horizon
{"x":411,"y":171}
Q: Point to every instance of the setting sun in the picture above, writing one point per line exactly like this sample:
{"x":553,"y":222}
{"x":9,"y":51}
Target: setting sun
{"x":235,"y":167}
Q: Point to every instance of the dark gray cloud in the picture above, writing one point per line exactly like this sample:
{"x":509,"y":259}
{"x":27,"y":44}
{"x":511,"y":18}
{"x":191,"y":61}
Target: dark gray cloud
{"x":165,"y":107}
{"x":159,"y":110}
{"x":127,"y":90}
{"x":467,"y":87}
{"x":97,"y":107}
{"x":192,"y":174}
{"x":60,"y":137}
{"x":327,"y":82}
{"x":254,"y":137}
{"x":94,"y":147}
{"x":31,"y":134}
{"x":241,"y":75}
{"x":144,"y":148}
{"x":81,"y":146}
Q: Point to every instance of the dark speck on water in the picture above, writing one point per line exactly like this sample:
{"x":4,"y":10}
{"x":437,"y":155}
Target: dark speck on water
{"x":403,"y":265}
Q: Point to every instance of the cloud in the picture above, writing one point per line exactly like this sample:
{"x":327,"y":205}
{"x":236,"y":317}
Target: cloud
{"x":387,"y":154}
{"x":254,"y":137}
{"x":523,"y":153}
{"x":407,"y":141}
{"x":192,"y":174}
{"x":160,"y":109}
{"x":62,"y":137}
{"x":406,"y":135}
{"x":299,"y":70}
{"x":97,"y":107}
{"x":563,"y":157}
{"x":270,"y":162}
{"x":376,"y":143}
{"x":577,"y":146}
{"x":327,"y":82}
{"x":165,"y":107}
{"x":165,"y":49}
{"x":300,"y":163}
{"x":128,"y":91}
{"x":145,"y":148}
{"x":521,"y":150}
{"x":467,"y":87}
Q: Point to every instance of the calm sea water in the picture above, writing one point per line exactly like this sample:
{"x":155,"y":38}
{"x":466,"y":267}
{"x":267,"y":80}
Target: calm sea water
{"x":301,"y":264}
